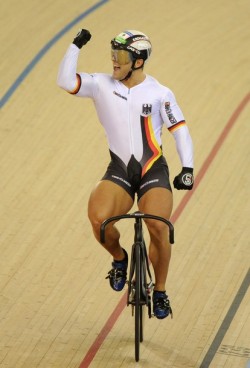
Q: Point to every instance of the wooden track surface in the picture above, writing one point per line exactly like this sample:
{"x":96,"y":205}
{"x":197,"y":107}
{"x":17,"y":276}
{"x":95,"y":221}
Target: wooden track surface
{"x":56,"y":308}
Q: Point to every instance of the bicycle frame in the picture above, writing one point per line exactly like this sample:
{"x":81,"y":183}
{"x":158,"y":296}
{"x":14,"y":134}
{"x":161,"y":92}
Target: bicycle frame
{"x":139,"y":289}
{"x":144,"y":271}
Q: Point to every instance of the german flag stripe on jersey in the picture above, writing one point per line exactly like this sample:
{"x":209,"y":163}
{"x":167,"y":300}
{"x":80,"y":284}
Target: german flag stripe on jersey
{"x":78,"y":85}
{"x":177,"y":126}
{"x":152,"y":150}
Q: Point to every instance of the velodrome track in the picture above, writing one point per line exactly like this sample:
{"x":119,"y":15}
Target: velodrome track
{"x":56,"y":308}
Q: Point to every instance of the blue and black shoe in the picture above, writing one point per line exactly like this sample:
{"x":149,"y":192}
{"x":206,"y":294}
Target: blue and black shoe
{"x":118,"y":274}
{"x":161,"y":305}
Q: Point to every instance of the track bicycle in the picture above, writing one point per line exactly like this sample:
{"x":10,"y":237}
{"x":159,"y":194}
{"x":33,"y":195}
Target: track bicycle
{"x":140,"y":283}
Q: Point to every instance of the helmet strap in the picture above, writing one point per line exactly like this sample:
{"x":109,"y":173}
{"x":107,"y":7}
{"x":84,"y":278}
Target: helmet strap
{"x":131,"y":70}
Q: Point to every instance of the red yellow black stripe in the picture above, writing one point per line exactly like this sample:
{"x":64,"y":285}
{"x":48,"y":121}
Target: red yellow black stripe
{"x":174,"y":127}
{"x":78,"y":85}
{"x":152,"y":149}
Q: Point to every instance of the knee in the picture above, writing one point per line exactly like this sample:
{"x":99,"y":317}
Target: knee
{"x":96,"y":220}
{"x":155,"y":226}
{"x":157,"y":230}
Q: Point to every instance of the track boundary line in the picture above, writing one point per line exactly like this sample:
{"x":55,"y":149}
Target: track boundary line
{"x":27,"y":70}
{"x":226,"y":322}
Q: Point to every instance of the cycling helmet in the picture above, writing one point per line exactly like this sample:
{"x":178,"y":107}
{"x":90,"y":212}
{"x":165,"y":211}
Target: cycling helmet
{"x":135,"y":42}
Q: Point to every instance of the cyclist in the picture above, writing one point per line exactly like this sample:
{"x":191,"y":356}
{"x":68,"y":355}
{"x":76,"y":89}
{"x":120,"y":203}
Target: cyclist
{"x":132,"y":108}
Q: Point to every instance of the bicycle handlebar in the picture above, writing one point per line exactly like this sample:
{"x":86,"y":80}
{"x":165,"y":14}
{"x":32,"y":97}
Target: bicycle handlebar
{"x":137,"y":215}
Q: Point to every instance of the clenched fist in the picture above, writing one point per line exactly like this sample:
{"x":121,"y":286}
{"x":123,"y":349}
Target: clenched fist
{"x":82,"y":37}
{"x":185,"y":180}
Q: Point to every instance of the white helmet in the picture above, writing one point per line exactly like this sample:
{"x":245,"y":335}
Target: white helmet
{"x":136,"y":42}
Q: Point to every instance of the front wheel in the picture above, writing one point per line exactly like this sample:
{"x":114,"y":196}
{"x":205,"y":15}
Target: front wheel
{"x":138,"y":306}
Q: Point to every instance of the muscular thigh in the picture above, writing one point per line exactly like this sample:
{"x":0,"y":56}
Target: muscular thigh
{"x":108,"y":199}
{"x":157,"y":201}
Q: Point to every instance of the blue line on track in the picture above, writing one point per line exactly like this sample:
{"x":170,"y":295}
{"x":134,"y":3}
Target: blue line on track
{"x":44,"y":50}
{"x":226,"y":322}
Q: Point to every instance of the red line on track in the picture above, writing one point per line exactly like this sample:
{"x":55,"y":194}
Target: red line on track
{"x":211,"y":157}
{"x":122,"y":303}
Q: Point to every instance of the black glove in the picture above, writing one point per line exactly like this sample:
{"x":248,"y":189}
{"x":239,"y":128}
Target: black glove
{"x":82,"y":37}
{"x":185,"y":180}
